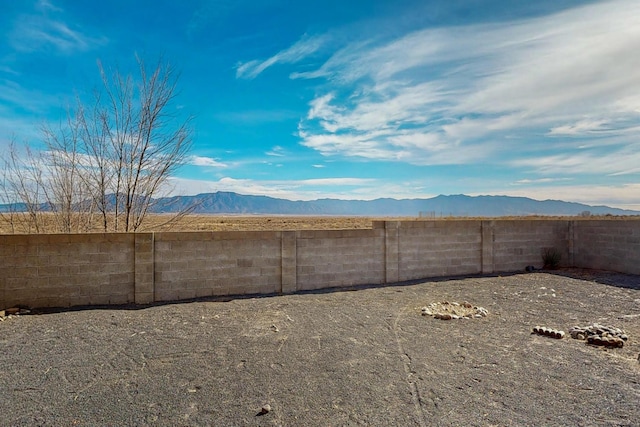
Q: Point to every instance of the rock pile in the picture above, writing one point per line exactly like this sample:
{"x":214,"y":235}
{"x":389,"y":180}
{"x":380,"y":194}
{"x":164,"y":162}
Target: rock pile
{"x":548,"y":332}
{"x":452,"y":310}
{"x":608,"y":336}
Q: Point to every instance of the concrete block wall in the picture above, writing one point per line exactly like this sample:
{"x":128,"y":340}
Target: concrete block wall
{"x":65,"y":270}
{"x":335,"y":258}
{"x":191,"y":265}
{"x":439,"y":248}
{"x":96,"y":269}
{"x":607,"y":245}
{"x":519,"y":243}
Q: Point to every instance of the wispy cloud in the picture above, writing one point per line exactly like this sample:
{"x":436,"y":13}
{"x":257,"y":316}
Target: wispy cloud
{"x":46,"y":5}
{"x":304,"y":47}
{"x":488,"y":93}
{"x":48,"y":30}
{"x":276,"y":151}
{"x":624,"y":161}
{"x":207,"y":162}
{"x":539,"y":181}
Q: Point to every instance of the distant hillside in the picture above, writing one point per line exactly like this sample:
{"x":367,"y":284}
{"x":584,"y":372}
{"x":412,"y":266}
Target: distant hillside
{"x":453,"y":205}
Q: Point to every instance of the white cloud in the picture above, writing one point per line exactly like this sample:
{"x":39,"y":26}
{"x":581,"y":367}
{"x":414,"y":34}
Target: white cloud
{"x":488,"y":93}
{"x":612,"y":162}
{"x":207,"y":162}
{"x":304,"y":47}
{"x":581,"y":127}
{"x":47,"y":5}
{"x":43,"y":32}
{"x":539,"y":181}
{"x":276,"y":151}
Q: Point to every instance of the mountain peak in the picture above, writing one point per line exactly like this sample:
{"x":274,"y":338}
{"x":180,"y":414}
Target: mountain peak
{"x":225,"y":202}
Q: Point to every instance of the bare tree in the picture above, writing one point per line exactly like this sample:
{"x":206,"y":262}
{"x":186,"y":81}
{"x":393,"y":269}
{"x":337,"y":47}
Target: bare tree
{"x":145,"y":140}
{"x":111,"y":158}
{"x":21,"y":188}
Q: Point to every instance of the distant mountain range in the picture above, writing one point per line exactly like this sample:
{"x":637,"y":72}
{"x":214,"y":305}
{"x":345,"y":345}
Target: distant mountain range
{"x":453,"y":205}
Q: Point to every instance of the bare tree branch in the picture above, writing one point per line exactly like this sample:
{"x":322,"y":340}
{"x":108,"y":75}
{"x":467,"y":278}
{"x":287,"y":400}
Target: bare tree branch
{"x":111,"y":157}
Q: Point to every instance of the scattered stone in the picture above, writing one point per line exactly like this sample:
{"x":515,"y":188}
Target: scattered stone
{"x":274,"y":328}
{"x":265,"y":409}
{"x":548,"y":332}
{"x":596,"y":334}
{"x":12,"y":310}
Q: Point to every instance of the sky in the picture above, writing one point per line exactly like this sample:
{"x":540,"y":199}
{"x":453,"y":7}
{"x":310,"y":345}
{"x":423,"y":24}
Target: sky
{"x":358,"y":99}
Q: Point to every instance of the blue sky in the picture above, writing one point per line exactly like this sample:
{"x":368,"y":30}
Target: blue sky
{"x":359,"y":99}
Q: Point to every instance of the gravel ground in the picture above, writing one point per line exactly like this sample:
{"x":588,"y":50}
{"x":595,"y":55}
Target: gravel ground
{"x":366,"y":357}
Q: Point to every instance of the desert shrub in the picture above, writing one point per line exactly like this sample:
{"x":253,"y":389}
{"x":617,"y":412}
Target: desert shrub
{"x":551,"y":258}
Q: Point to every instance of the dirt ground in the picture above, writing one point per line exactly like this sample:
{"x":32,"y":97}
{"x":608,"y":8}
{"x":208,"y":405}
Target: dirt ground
{"x":363,"y":356}
{"x":163,"y":222}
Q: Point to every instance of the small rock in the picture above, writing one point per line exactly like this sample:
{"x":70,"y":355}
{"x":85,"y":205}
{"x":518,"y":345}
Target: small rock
{"x":617,"y":342}
{"x":549,"y":332}
{"x":265,"y":409}
{"x":274,"y":328}
{"x":12,"y":310}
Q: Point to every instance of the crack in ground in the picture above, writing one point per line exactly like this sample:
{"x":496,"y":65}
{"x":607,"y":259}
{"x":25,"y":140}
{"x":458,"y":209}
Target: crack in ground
{"x":413,"y":387}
